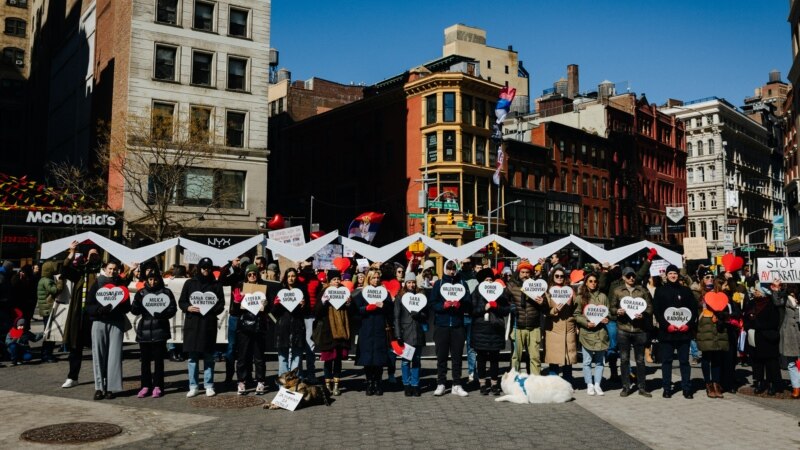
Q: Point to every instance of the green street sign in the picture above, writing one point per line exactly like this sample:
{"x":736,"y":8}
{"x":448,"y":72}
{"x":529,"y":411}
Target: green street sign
{"x":748,"y":249}
{"x":450,"y":205}
{"x":480,"y":227}
{"x":478,"y":234}
{"x":462,"y":225}
{"x":417,"y":215}
{"x":434,"y":204}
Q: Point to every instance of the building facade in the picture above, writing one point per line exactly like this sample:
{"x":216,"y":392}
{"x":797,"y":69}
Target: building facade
{"x":792,"y":163}
{"x":14,"y":73}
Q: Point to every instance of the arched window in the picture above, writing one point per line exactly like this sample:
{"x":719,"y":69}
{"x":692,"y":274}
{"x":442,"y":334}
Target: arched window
{"x":690,"y":175}
{"x":689,"y":149}
{"x":691,"y":202}
{"x":699,"y":148}
{"x":701,"y":176}
{"x":710,"y":146}
{"x":15,"y":27}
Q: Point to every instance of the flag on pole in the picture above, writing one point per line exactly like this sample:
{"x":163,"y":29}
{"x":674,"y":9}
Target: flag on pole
{"x":500,"y":158}
{"x":365,"y":226}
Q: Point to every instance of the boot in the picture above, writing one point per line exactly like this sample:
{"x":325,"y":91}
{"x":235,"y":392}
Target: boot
{"x":796,"y":393}
{"x":486,"y":388}
{"x":773,"y":388}
{"x":336,"y":390}
{"x":370,"y":388}
{"x":760,"y":387}
{"x":718,"y":390}
{"x":710,"y":391}
{"x":496,"y":389}
{"x":648,"y":355}
{"x":407,"y":390}
{"x":378,"y":388}
{"x":329,"y":384}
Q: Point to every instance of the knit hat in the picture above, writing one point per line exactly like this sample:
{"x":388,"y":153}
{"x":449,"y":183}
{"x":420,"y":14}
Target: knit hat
{"x":251,"y":268}
{"x":334,"y":274}
{"x":483,"y":274}
{"x":347,"y":276}
{"x":702,"y":272}
{"x":272,"y":266}
{"x":428,"y":264}
{"x":244,"y":261}
{"x":672,"y":268}
{"x":20,"y":322}
{"x":205,"y":263}
{"x":409,"y":277}
{"x":525,"y":265}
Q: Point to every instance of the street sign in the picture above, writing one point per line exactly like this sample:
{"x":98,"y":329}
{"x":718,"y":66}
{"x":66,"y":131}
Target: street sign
{"x":434,"y":204}
{"x":417,"y":215}
{"x":727,"y":241}
{"x":731,"y":228}
{"x":748,"y":249}
{"x":462,"y":225}
{"x":453,"y":206}
{"x":480,"y":227}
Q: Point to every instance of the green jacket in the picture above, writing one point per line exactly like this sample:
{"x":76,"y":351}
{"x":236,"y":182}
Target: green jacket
{"x":624,"y":322}
{"x":711,"y":336}
{"x":47,"y":289}
{"x":593,"y":339}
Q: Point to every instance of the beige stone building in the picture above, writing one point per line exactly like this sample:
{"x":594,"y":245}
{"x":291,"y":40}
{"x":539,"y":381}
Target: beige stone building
{"x":14,"y":70}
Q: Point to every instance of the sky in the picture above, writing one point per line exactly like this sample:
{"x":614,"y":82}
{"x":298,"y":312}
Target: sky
{"x":666,"y":49}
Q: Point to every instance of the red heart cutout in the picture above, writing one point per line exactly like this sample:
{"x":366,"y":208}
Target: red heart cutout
{"x":342,"y":264}
{"x":317,"y":234}
{"x":393,"y":286}
{"x":276,"y":223}
{"x":716,"y":301}
{"x":397,"y":348}
{"x":349,"y":285}
{"x":732,"y":263}
{"x":576,"y":276}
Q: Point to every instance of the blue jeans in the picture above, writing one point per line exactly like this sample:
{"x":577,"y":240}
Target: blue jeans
{"x":230,"y":352}
{"x":613,"y":349}
{"x":411,"y":369}
{"x":208,"y":366}
{"x":794,"y":373}
{"x":694,"y":351}
{"x":667,"y":354}
{"x":288,"y":359}
{"x":590,"y":357}
{"x":471,"y":354}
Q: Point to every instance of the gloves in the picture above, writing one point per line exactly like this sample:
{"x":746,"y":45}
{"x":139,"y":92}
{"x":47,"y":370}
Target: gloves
{"x":104,"y":310}
{"x":277,"y":301}
{"x":400,"y":342}
{"x":672,"y":329}
{"x":371,"y":307}
{"x":683,"y":328}
{"x":450,"y":305}
{"x":415,"y":316}
{"x":492,"y":305}
{"x":652,"y":254}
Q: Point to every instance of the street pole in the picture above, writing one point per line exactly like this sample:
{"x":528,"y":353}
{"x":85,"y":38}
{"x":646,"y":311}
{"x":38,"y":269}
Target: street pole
{"x":311,"y":216}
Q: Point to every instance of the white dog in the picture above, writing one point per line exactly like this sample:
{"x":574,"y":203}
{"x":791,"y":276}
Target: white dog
{"x":523,"y":389}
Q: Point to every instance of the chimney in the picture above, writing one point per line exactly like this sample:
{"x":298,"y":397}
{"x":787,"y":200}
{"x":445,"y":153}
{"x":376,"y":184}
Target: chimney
{"x":573,"y":83}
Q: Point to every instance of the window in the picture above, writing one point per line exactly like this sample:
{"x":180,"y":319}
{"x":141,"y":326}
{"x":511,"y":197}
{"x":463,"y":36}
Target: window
{"x":162,"y":121}
{"x":603,"y":188}
{"x":431,"y":146}
{"x":480,"y":113}
{"x":202,"y":68}
{"x":596,"y":220}
{"x":234,"y":129}
{"x":488,"y":64}
{"x":713,"y":200}
{"x":691,"y":202}
{"x":449,"y":145}
{"x":480,"y":151}
{"x":699,"y":148}
{"x":594,"y":187}
{"x":575,"y":182}
{"x":17,"y":3}
{"x":714,"y":231}
{"x":689,"y":149}
{"x":466,"y":150}
{"x":690,"y":175}
{"x":237,"y":74}
{"x":702,"y":198}
{"x":229,"y":189}
{"x":524,"y":173}
{"x":701,"y":175}
{"x":492,"y":156}
{"x":167,"y":11}
{"x":198,"y":186}
{"x":449,"y":107}
{"x":585,"y":220}
{"x":466,"y":109}
{"x":703,"y":231}
{"x":562,"y":150}
{"x":430,"y":109}
{"x":564,"y":180}
{"x":585,"y":185}
{"x":710,"y":146}
{"x":712,"y":172}
{"x":200,"y":127}
{"x":14,"y":56}
{"x":237,"y":22}
{"x":204,"y":16}
{"x":165,"y":62}
{"x":692,"y":229}
{"x":15,"y":27}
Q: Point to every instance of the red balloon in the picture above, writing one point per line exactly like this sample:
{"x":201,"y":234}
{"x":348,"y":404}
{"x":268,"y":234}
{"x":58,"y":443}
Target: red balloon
{"x":341,"y":263}
{"x":317,"y":234}
{"x":276,"y":223}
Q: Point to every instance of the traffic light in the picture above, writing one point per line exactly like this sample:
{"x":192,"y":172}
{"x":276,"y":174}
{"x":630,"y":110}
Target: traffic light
{"x":431,"y":225}
{"x":469,"y":220}
{"x":495,"y":246}
{"x":449,"y":217}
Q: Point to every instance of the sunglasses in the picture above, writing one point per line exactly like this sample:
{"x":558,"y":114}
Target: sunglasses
{"x":591,"y":281}
{"x":708,"y":277}
{"x":558,"y":275}
{"x":252,"y":274}
{"x":630,"y":275}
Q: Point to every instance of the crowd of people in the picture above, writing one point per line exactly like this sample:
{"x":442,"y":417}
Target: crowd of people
{"x":385,"y":312}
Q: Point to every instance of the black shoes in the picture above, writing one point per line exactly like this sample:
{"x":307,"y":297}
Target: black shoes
{"x":408,"y":391}
{"x":485,"y":389}
{"x":415,"y":391}
{"x":496,"y":390}
{"x":760,"y":387}
{"x":370,"y":389}
{"x":626,"y":391}
{"x":98,"y":395}
{"x":666,"y":394}
{"x":644,"y":393}
{"x":687,"y":395}
{"x":378,"y":389}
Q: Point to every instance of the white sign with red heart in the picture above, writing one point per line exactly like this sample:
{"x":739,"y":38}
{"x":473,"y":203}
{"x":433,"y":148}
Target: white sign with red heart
{"x":374,"y":294}
{"x":413,"y":302}
{"x":337,"y":297}
{"x":633,"y":306}
{"x":595,"y":313}
{"x":452,"y":292}
{"x":155,"y":303}
{"x":203,"y":300}
{"x":560,"y":295}
{"x":678,"y":316}
{"x":253,"y":302}
{"x":534,"y":288}
{"x":290,"y":298}
{"x":111,"y":295}
{"x":490,"y":290}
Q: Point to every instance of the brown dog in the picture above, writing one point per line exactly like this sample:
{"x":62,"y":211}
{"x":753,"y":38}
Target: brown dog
{"x":312,"y":395}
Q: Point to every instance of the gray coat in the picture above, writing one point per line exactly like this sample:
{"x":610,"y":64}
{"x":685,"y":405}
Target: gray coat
{"x":790,"y":327}
{"x":406,"y":326}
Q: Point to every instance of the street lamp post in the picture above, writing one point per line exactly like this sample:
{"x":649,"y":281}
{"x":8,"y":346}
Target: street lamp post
{"x":489,"y":230}
{"x":750,"y":247}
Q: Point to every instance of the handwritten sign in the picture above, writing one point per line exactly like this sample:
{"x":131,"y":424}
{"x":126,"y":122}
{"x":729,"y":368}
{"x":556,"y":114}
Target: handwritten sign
{"x":287,"y":399}
{"x":784,"y":269}
{"x":155,"y":303}
{"x":407,"y":353}
{"x":659,"y":267}
{"x":490,"y":290}
{"x":452,"y":292}
{"x":534,"y":288}
{"x":203,"y":300}
{"x":677,"y":316}
{"x":111,"y":295}
{"x":560,"y":295}
{"x":362,"y":264}
{"x":595,"y":313}
{"x":253,"y":302}
{"x":633,"y":306}
{"x":413,"y":302}
{"x":290,"y":298}
{"x":695,"y":248}
{"x":337,"y":297}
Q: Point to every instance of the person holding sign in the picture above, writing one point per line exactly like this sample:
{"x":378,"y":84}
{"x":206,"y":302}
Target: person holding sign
{"x":591,"y":314}
{"x":202,"y":299}
{"x":561,"y":348}
{"x":786,"y":301}
{"x":632,"y":307}
{"x":332,"y":330}
{"x":156,"y":304}
{"x":251,"y":308}
{"x":107,"y":304}
{"x":490,"y":306}
{"x":529,"y":309}
{"x":289,"y":310}
{"x":376,"y":309}
{"x":675,"y":309}
{"x":712,"y":336}
{"x":450,"y":303}
{"x":762,"y":321}
{"x":410,"y":315}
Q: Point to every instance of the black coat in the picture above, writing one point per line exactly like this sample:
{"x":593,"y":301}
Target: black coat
{"x":96,"y":311}
{"x":764,"y":317}
{"x":674,"y":295}
{"x":408,"y":326}
{"x":323,"y":334}
{"x":249,"y":322}
{"x":199,"y":331}
{"x":153,"y":327}
{"x":489,"y":334}
{"x":290,"y":328}
{"x":373,"y":348}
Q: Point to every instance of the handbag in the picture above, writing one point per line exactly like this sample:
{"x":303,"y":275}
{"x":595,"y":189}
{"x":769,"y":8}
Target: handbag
{"x":65,"y":293}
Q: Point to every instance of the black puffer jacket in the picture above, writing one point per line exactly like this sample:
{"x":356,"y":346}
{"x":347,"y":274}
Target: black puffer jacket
{"x":153,"y":327}
{"x":249,"y":322}
{"x":527,"y":312}
{"x":488,"y":333}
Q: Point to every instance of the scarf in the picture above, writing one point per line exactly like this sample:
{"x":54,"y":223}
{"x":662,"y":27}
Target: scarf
{"x":340,"y":325}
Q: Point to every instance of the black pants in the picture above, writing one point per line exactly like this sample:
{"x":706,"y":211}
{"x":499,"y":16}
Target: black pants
{"x":75,"y":360}
{"x":711,"y":364}
{"x":333,"y":368}
{"x":493,"y":356}
{"x":373,"y":373}
{"x":667,"y":354}
{"x":449,"y":342}
{"x":626,"y":340}
{"x":155,"y":352}
{"x":728,"y":376}
{"x":250,"y":348}
{"x":772,"y":366}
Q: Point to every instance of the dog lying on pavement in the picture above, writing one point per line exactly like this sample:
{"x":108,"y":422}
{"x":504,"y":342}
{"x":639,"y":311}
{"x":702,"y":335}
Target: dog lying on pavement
{"x":312,"y":395}
{"x":523,"y":389}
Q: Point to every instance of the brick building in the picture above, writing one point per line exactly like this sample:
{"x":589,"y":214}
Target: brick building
{"x":14,"y":71}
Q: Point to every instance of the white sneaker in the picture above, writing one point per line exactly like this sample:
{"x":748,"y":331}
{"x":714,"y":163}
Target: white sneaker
{"x":192,"y":392}
{"x":240,"y":390}
{"x":459,"y":391}
{"x":261,"y":389}
{"x":210,"y":392}
{"x":590,"y":390}
{"x":471,"y":377}
{"x":439,"y":391}
{"x":597,"y":389}
{"x":69,"y":383}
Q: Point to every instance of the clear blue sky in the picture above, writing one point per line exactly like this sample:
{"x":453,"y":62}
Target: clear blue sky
{"x":665,"y":49}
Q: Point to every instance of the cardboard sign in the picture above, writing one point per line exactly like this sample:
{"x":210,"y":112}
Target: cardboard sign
{"x":253,"y":302}
{"x":413,"y":302}
{"x":203,"y":300}
{"x":695,"y":248}
{"x":111,"y":295}
{"x":677,"y":316}
{"x":287,"y":399}
{"x":337,"y":297}
{"x":595,"y":313}
{"x":362,"y":264}
{"x":290,"y":298}
{"x":407,"y":353}
{"x":374,"y":294}
{"x":561,"y":295}
{"x":659,"y":267}
{"x":633,"y":306}
{"x":490,"y":290}
{"x":452,"y":292}
{"x":534,"y":288}
{"x":784,"y":269}
{"x":155,"y":303}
